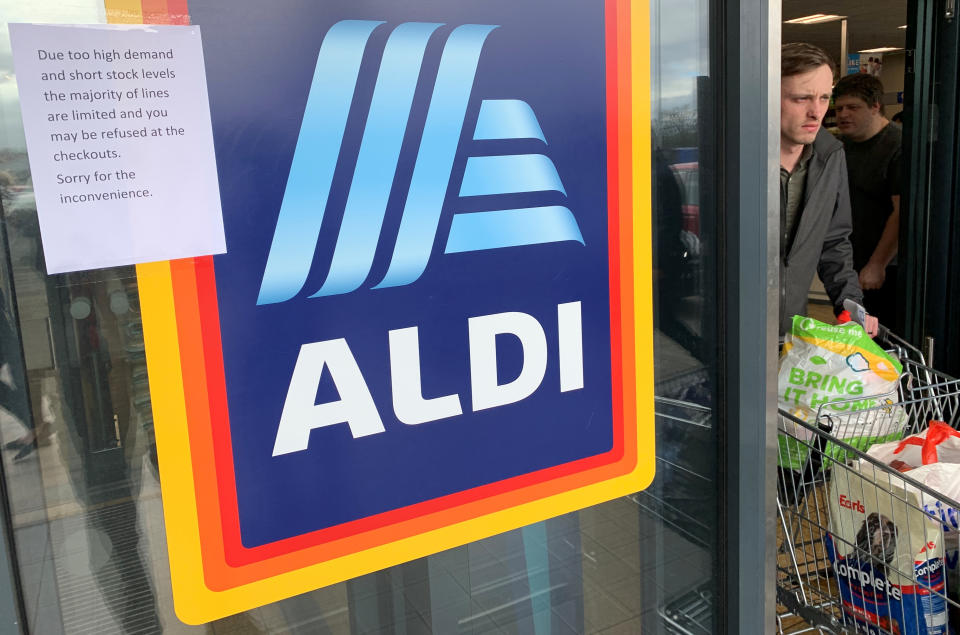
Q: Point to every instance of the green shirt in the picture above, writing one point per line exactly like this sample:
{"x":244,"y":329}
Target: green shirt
{"x":792,"y":185}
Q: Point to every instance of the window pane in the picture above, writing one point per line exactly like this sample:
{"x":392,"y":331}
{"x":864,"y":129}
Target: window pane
{"x":680,"y":509}
{"x":80,"y":455}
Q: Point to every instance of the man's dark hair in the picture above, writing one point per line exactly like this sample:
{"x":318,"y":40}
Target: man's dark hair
{"x":800,"y":57}
{"x":866,"y":87}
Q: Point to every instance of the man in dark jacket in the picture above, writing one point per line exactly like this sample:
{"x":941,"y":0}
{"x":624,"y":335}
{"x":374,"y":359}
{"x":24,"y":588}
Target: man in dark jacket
{"x":815,"y":220}
{"x":871,"y":145}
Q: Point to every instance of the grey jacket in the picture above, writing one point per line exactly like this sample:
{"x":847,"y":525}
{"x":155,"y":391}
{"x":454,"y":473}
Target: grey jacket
{"x":821,"y":241}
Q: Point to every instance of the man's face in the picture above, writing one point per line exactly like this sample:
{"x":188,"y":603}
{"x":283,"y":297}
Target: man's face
{"x":804,"y":100}
{"x":855,"y":118}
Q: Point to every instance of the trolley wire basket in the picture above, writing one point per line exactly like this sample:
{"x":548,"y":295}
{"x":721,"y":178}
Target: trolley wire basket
{"x":863,"y":548}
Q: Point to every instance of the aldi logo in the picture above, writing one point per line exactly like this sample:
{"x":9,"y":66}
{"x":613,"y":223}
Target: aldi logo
{"x":432,"y":323}
{"x":321,"y":142}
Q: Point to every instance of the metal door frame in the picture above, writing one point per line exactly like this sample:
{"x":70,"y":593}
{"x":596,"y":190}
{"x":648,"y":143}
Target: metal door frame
{"x":749,"y":58}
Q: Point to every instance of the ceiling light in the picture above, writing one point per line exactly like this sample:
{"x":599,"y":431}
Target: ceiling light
{"x":816,"y":18}
{"x":882,"y":49}
{"x":902,"y":27}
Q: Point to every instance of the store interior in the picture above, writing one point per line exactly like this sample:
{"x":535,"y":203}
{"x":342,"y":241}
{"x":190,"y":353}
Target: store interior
{"x":861,"y":37}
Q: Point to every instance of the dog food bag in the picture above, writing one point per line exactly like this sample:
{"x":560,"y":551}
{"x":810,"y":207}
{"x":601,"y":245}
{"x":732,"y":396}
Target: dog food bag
{"x":840,"y":368}
{"x":886,"y":554}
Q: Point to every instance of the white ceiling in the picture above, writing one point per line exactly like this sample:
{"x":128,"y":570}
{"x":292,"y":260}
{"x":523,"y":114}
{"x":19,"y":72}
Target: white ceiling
{"x":870,"y":24}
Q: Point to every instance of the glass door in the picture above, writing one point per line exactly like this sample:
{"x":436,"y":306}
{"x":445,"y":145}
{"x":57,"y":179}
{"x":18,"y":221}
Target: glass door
{"x":931,"y":234}
{"x":76,"y":423}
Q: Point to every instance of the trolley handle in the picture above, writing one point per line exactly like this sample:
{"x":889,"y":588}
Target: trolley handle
{"x":902,"y":348}
{"x":859,"y":314}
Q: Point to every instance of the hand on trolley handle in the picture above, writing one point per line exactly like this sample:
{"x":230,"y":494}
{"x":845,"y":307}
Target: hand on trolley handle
{"x":859,"y":315}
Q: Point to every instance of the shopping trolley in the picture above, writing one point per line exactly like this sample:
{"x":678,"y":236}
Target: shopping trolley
{"x":817,"y":556}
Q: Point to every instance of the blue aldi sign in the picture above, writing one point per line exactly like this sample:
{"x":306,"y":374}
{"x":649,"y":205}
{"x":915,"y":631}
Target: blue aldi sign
{"x":377,"y":277}
{"x":432,"y":320}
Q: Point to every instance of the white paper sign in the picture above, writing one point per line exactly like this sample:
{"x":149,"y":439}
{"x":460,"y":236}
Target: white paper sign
{"x":121,"y":149}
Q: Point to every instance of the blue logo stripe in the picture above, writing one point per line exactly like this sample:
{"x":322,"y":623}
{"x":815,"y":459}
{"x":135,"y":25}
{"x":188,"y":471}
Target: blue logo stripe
{"x":314,"y":160}
{"x":507,"y":119}
{"x":441,"y":135}
{"x":377,"y":160}
{"x":511,"y":228}
{"x":508,"y":174}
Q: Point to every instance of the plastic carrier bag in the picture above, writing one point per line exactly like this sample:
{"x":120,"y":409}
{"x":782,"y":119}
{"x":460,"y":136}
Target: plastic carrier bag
{"x":939,"y":443}
{"x":841,"y":369}
{"x":932,"y":457}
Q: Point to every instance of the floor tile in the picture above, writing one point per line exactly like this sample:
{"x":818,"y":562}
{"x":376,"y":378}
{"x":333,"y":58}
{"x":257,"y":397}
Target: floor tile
{"x":527,"y":624}
{"x":630,"y":627}
{"x":411,"y":625}
{"x":48,"y":622}
{"x":437,"y":592}
{"x":32,"y":543}
{"x":601,"y":610}
{"x":460,"y":620}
